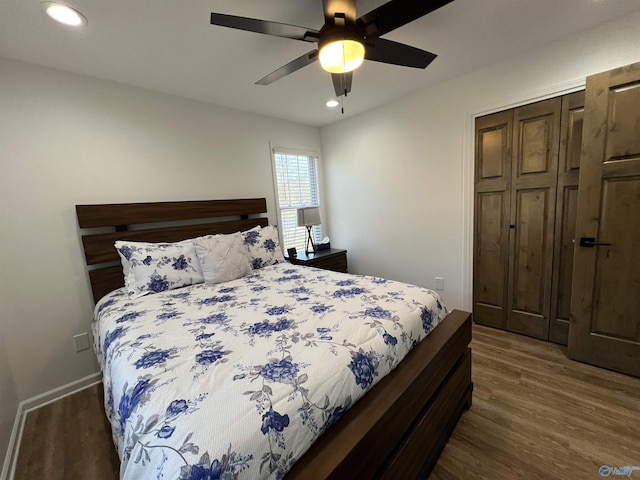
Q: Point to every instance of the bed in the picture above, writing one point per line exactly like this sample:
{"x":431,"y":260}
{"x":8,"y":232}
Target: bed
{"x":371,"y":425}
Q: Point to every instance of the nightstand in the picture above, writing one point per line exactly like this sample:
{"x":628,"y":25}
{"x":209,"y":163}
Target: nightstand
{"x":331,"y":259}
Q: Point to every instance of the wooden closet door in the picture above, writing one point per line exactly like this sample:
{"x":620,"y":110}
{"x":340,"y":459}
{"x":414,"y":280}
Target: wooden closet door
{"x":491,"y":232}
{"x":605,"y":306}
{"x":566,"y":208}
{"x":534,"y":174}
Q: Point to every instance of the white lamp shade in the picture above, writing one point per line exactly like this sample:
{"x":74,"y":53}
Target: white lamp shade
{"x":309,"y":216}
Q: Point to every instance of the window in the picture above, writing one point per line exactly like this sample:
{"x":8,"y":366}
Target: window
{"x":296,"y":179}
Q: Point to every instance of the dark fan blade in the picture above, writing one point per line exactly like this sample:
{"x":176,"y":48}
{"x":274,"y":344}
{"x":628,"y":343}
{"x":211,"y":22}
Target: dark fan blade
{"x":342,"y":83}
{"x":263,"y":26}
{"x":397,"y":13}
{"x":346,"y":7}
{"x":290,"y":67}
{"x":386,"y":51}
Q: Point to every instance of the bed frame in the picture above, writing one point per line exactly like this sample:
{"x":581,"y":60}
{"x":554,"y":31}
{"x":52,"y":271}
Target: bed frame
{"x":397,"y":430}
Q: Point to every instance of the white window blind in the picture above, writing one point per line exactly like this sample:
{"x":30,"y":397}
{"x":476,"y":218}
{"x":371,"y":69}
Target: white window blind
{"x":296,"y":178}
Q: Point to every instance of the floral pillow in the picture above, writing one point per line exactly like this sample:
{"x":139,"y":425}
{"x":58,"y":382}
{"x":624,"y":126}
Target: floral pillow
{"x":158,"y":267}
{"x":223,"y":257}
{"x":263,"y":245}
{"x":126,"y":248}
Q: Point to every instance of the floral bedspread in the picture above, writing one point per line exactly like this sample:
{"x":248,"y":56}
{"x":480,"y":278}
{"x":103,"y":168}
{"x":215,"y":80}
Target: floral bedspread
{"x":237,"y":380}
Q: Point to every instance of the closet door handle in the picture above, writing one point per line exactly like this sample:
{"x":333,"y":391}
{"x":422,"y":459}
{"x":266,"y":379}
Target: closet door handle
{"x":590,"y":242}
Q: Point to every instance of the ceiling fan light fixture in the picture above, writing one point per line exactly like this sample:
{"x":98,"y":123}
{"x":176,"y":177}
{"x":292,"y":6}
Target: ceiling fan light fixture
{"x":342,"y":56}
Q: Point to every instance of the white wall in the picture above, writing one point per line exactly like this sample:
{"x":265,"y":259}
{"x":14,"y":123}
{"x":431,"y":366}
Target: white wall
{"x":67,"y":140}
{"x":399,"y":179}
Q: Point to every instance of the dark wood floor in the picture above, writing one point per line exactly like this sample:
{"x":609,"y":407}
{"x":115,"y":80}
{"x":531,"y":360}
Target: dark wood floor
{"x":535,"y":415}
{"x":68,"y":439}
{"x":538,"y":415}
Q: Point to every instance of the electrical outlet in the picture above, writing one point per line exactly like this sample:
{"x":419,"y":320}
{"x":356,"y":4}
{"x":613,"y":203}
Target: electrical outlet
{"x":439,"y":283}
{"x":81,"y":342}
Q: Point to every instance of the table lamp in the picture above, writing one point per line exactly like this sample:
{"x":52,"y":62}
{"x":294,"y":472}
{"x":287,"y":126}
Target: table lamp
{"x":308,"y":217}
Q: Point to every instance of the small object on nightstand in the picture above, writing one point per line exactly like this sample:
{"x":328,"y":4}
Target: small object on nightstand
{"x":331,"y":259}
{"x":323,"y":245}
{"x":292,"y":252}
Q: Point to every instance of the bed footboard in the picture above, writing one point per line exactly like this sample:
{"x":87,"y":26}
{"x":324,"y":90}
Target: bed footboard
{"x":400,"y":427}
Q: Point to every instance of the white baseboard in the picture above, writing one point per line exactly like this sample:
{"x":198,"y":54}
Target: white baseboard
{"x":33,"y":403}
{"x":12,"y":448}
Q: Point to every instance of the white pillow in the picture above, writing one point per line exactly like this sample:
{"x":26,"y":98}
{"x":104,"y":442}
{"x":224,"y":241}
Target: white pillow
{"x":264,"y":246}
{"x":157,"y":267}
{"x":222,"y":257}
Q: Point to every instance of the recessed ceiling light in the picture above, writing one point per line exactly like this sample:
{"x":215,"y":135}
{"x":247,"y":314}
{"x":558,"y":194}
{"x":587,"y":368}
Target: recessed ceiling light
{"x":64,"y":14}
{"x":332,"y":103}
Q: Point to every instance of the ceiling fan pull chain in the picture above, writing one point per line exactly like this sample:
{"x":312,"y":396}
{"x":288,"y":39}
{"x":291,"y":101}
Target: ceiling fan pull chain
{"x":344,"y":86}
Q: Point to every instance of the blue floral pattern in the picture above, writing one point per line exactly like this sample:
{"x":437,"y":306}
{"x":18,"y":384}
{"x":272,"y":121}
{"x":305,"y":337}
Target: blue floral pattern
{"x":283,"y":371}
{"x":151,"y":359}
{"x":274,"y":421}
{"x":176,"y":407}
{"x":263,"y":361}
{"x":363,"y":367}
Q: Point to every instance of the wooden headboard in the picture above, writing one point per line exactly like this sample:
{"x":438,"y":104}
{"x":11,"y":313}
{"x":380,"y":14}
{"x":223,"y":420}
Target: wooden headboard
{"x":232,"y":216}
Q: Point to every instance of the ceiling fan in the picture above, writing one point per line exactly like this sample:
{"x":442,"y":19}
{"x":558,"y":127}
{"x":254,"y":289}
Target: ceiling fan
{"x":344,"y":41}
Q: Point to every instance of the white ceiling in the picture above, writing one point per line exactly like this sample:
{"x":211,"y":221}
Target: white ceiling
{"x":169,"y":46}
